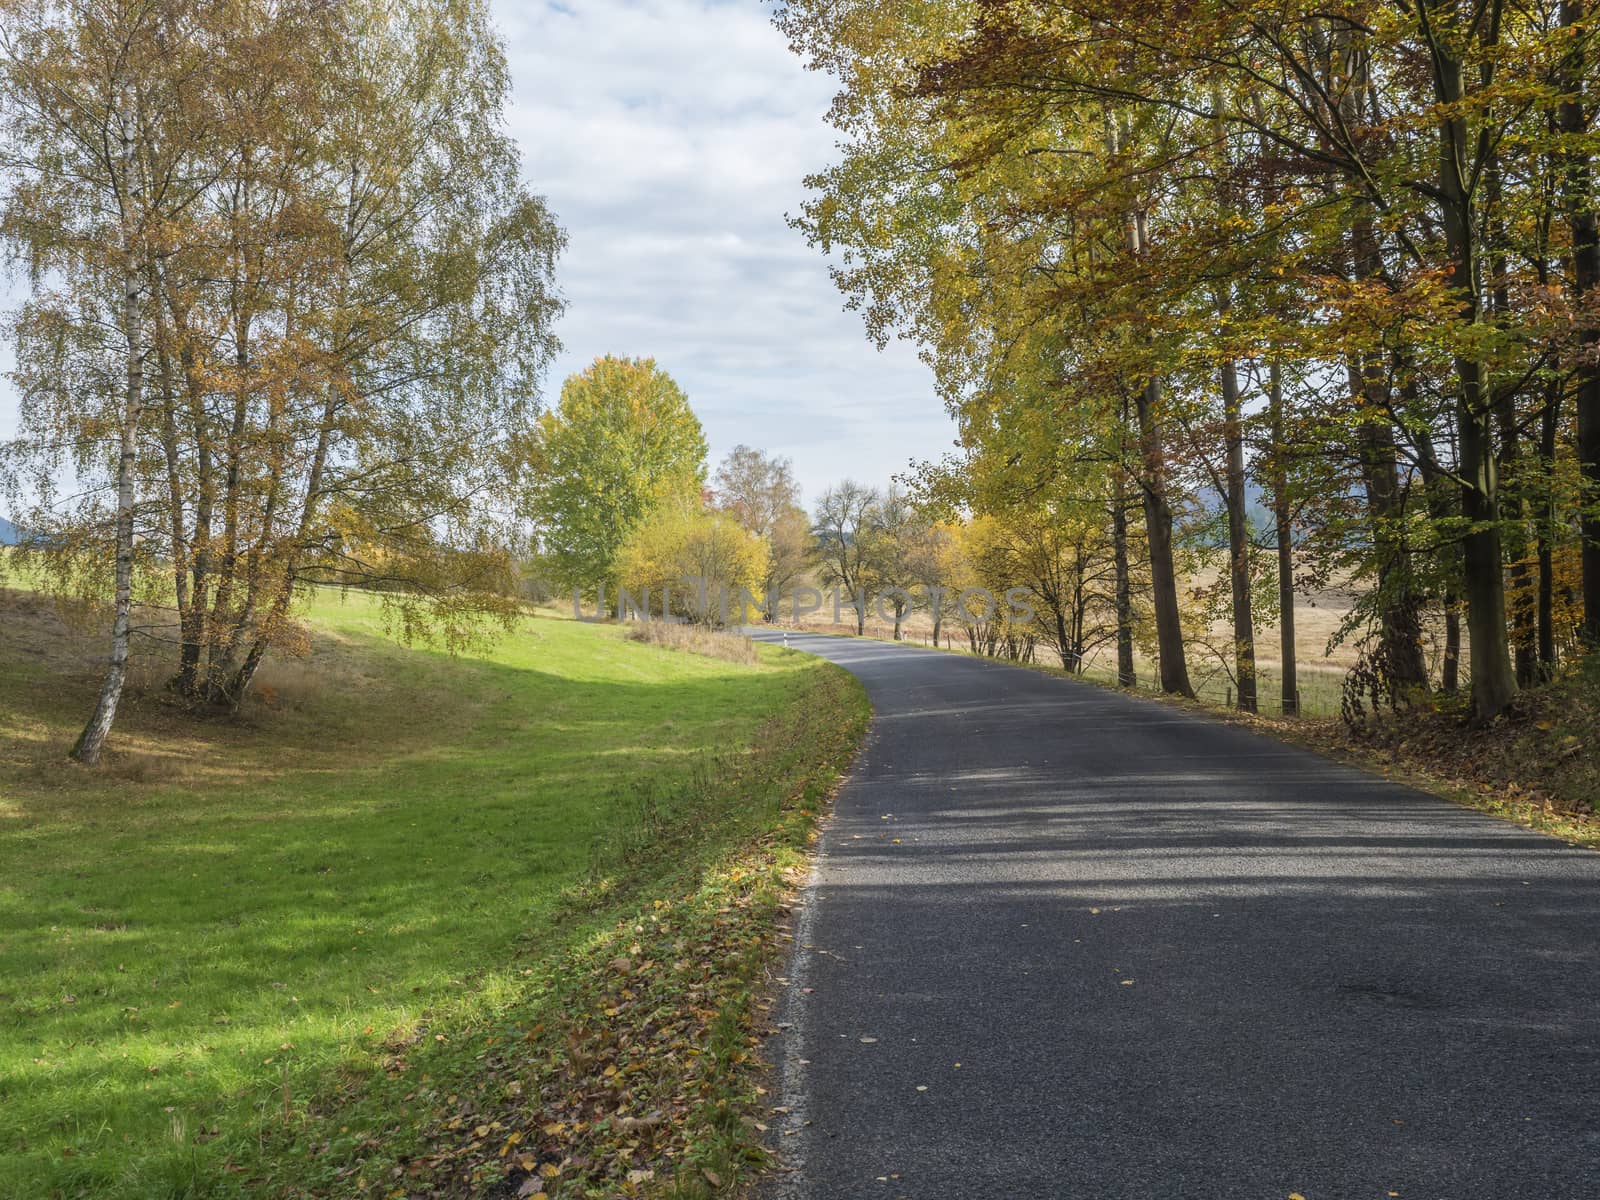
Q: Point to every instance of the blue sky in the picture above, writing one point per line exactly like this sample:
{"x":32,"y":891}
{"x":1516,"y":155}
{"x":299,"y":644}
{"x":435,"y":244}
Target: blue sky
{"x":671,"y":137}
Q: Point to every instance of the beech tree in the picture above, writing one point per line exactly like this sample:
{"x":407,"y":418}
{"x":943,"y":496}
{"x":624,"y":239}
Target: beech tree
{"x":1099,"y":236}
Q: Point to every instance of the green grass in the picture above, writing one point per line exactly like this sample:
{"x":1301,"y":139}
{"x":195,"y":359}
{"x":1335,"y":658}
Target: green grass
{"x":232,"y":929}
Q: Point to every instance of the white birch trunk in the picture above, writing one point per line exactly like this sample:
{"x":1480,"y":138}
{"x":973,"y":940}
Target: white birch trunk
{"x":93,"y":738}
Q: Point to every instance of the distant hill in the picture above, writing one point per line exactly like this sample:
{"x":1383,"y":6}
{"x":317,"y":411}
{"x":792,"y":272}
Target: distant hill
{"x":10,"y":535}
{"x":1258,"y":511}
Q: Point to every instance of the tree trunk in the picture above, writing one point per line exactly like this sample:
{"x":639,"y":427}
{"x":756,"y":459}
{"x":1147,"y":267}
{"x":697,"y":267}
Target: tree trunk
{"x":1441,"y":510}
{"x":1173,"y":666}
{"x":1580,"y":201}
{"x":92,"y":740}
{"x":222,"y":656}
{"x":1244,"y":635}
{"x":1545,"y":529}
{"x":177,"y":501}
{"x":1513,"y":477}
{"x":1524,"y":621}
{"x":1126,"y":676}
{"x":1450,"y":669}
{"x":1290,"y":685}
{"x":1401,"y":607}
{"x":1080,"y":609}
{"x":193,"y":617}
{"x":1494,"y":685}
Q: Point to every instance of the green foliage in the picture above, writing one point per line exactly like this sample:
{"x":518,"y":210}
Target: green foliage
{"x":622,"y":442}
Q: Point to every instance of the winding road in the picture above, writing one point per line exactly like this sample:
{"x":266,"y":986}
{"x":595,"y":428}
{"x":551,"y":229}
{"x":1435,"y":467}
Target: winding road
{"x":1065,"y":943}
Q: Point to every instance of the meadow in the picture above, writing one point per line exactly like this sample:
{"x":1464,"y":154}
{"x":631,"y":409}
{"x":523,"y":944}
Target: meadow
{"x":214,"y":949}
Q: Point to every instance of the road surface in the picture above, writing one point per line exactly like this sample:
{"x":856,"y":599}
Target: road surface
{"x":1062,"y":942}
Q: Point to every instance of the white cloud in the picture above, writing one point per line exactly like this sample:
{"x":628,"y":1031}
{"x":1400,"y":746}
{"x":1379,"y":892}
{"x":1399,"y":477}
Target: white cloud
{"x":671,"y":138}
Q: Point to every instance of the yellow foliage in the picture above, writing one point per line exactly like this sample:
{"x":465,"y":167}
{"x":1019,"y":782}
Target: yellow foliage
{"x":692,"y":562}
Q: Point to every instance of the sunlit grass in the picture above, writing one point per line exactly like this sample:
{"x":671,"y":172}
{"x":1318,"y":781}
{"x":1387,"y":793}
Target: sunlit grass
{"x":198,"y":938}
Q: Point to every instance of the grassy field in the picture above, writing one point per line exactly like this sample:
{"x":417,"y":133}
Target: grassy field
{"x":219,"y":952}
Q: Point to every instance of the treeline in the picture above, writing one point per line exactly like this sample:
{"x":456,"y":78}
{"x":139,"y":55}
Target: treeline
{"x":288,"y":302}
{"x":623,"y":511}
{"x":1167,"y":258}
{"x":1010,"y":585}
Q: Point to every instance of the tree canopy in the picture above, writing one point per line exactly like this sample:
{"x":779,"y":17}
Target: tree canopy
{"x":622,"y":442}
{"x":1345,"y":256}
{"x":289,"y":304}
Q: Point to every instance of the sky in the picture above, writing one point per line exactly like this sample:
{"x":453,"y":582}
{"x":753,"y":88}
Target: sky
{"x":671,"y":138}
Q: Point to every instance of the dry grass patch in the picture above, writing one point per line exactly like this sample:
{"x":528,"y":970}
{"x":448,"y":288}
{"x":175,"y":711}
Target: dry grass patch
{"x":696,"y":639}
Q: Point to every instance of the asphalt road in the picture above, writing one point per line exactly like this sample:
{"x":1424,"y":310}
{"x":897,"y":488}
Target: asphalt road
{"x":1066,"y":943}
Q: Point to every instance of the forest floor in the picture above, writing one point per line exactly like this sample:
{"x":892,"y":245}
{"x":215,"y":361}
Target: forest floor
{"x":410,"y":925}
{"x":1537,"y":765}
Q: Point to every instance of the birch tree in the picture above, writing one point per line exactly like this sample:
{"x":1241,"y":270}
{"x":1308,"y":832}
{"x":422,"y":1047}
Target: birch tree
{"x":331,"y":297}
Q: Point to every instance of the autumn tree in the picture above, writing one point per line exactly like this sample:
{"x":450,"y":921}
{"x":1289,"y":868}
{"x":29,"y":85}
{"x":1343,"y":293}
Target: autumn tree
{"x":934,"y":564}
{"x":81,"y":90}
{"x":331,"y":302}
{"x":688,"y":561}
{"x":844,"y":525}
{"x":895,"y":542}
{"x":1388,"y":203}
{"x":759,"y":491}
{"x":622,"y":442}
